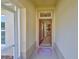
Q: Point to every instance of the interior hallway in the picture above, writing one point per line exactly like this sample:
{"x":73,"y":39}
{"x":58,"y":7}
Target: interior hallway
{"x":26,"y":34}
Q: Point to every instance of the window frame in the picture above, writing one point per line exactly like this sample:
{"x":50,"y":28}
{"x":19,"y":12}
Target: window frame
{"x":8,"y":9}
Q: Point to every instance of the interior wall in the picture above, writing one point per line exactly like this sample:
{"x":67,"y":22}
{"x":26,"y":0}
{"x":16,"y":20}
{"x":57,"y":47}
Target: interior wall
{"x":28,"y":28}
{"x":66,"y":28}
{"x":23,"y":33}
{"x":31,"y":24}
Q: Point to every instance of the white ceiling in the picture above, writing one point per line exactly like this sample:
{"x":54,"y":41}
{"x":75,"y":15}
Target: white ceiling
{"x":44,"y":3}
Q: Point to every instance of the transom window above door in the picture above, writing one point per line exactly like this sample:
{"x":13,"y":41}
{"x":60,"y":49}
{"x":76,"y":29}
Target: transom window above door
{"x":45,"y":14}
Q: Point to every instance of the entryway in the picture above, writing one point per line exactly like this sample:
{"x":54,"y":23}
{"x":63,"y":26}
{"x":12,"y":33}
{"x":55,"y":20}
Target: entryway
{"x":45,"y":28}
{"x":45,"y":32}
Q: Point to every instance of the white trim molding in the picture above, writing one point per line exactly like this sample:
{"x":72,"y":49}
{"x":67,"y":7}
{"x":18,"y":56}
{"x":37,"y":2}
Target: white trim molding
{"x":51,"y":10}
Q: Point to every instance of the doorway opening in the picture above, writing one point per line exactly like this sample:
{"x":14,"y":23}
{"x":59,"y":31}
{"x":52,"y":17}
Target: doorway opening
{"x":45,"y":32}
{"x":45,"y":28}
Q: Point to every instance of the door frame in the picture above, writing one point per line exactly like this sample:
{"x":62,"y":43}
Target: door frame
{"x":51,"y":10}
{"x":14,"y":46}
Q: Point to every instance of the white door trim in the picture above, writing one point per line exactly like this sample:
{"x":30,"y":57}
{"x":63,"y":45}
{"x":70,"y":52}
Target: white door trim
{"x":37,"y":25}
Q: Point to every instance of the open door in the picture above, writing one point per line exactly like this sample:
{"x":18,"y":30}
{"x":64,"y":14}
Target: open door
{"x":9,"y":32}
{"x":45,"y":32}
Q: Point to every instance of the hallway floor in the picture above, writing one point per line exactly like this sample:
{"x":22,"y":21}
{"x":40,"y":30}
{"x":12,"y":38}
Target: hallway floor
{"x":44,"y":53}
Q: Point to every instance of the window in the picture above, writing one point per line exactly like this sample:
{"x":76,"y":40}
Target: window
{"x":2,"y":29}
{"x":45,"y":14}
{"x":2,"y":25}
{"x":2,"y":37}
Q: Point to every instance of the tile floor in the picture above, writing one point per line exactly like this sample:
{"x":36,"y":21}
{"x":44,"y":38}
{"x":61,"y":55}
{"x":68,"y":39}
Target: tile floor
{"x":44,"y":53}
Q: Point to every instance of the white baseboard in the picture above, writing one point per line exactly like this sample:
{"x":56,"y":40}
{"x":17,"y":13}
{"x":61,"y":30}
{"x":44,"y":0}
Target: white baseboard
{"x":23,"y":55}
{"x":58,"y":52}
{"x":30,"y":51}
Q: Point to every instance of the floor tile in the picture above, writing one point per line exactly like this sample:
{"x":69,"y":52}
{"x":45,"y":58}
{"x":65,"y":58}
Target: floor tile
{"x":44,"y":53}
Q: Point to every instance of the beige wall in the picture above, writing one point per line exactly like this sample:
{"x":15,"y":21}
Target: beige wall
{"x":28,"y":27}
{"x":31,"y":25}
{"x":66,"y":28}
{"x":31,"y":29}
{"x":23,"y":32}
